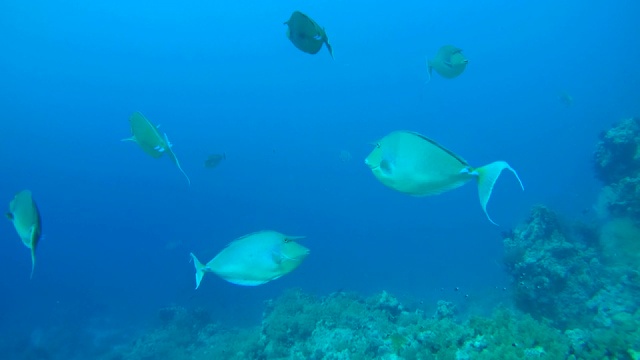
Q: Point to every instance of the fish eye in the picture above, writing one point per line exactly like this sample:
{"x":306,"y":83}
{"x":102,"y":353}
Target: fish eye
{"x":378,"y":145}
{"x":286,"y":240}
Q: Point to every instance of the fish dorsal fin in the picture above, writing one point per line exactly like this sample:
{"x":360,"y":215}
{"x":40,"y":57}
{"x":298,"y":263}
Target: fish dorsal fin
{"x":173,"y":157}
{"x":433,"y":142}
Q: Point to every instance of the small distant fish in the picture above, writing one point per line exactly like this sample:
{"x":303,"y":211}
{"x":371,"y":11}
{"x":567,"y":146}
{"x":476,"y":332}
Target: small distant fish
{"x":448,"y":62}
{"x":24,"y":214}
{"x":214,"y":160}
{"x":255,"y":259}
{"x":306,"y":34}
{"x":565,"y":98}
{"x":151,"y":140}
{"x":345,"y":156}
{"x":414,"y":164}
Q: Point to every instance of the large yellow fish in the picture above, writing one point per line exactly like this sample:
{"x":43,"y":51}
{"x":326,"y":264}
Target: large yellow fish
{"x":151,"y":140}
{"x":24,"y":214}
{"x":254,"y":259}
{"x":306,"y":34}
{"x":414,"y":164}
{"x":448,"y":62}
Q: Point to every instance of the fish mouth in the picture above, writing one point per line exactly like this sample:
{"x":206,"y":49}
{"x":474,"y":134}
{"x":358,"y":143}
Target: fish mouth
{"x":370,"y":165}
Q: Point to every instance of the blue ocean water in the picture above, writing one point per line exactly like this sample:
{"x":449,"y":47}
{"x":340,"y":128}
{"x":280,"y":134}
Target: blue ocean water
{"x":222,"y":77}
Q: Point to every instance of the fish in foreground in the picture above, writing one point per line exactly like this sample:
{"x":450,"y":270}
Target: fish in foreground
{"x":254,"y":259}
{"x":214,"y":160}
{"x":147,"y":135}
{"x":414,"y":164}
{"x":448,"y":62}
{"x":306,"y":34}
{"x":24,"y":214}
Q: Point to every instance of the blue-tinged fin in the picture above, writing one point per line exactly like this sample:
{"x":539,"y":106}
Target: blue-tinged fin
{"x":487,"y":177}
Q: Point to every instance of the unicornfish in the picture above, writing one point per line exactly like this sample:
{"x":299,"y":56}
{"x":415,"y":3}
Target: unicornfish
{"x":154,"y":143}
{"x":254,"y":259}
{"x":24,"y":214}
{"x":306,"y":34}
{"x":416,"y":165}
{"x":448,"y":62}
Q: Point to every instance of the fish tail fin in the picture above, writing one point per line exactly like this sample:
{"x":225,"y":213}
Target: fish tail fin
{"x":32,"y":247}
{"x":329,"y":47}
{"x":33,"y":261}
{"x":175,"y":159}
{"x":487,"y":177}
{"x":201,"y":269}
{"x":429,"y":70}
{"x":183,"y":173}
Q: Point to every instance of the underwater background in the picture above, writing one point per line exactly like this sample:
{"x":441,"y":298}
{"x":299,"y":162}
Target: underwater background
{"x":221,"y":77}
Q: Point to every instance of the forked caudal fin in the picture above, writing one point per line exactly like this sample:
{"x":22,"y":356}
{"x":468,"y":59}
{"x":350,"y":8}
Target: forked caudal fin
{"x":487,"y":177}
{"x":33,"y":262}
{"x":175,"y":159}
{"x":200,"y":269}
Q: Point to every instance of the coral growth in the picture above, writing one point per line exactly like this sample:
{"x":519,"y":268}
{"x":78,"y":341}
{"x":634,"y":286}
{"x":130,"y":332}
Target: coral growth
{"x":554,"y":270}
{"x":617,"y":153}
{"x":345,"y":326}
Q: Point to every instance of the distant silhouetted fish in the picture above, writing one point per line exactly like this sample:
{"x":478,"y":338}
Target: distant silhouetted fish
{"x":214,"y":160}
{"x":25,"y":216}
{"x":306,"y":34}
{"x":151,"y":140}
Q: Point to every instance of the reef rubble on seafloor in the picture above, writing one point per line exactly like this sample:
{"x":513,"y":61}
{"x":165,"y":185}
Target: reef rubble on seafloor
{"x":298,"y":325}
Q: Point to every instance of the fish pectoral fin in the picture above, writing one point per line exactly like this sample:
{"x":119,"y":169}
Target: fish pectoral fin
{"x":277,"y":257}
{"x":386,"y":166}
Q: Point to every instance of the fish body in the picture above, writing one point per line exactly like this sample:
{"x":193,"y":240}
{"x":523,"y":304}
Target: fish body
{"x":306,"y":34}
{"x":416,"y":165}
{"x":25,"y":216}
{"x":254,"y":259}
{"x":214,"y":160}
{"x":151,"y":140}
{"x":449,"y":62}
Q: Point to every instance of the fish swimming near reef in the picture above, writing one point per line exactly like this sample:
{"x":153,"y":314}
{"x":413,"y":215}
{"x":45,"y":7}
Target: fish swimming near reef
{"x":416,"y":165}
{"x":254,"y":259}
{"x":149,"y":138}
{"x":448,"y":62}
{"x":306,"y":34}
{"x":214,"y":160}
{"x":25,"y":216}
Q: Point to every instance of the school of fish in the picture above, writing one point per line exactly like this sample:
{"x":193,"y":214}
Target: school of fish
{"x":405,"y":161}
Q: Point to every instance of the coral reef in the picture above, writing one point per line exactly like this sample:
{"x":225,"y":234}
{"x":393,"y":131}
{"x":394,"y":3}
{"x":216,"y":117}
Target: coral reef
{"x":617,"y":165}
{"x":346,"y":326}
{"x":555,"y":270}
{"x":617,"y":154}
